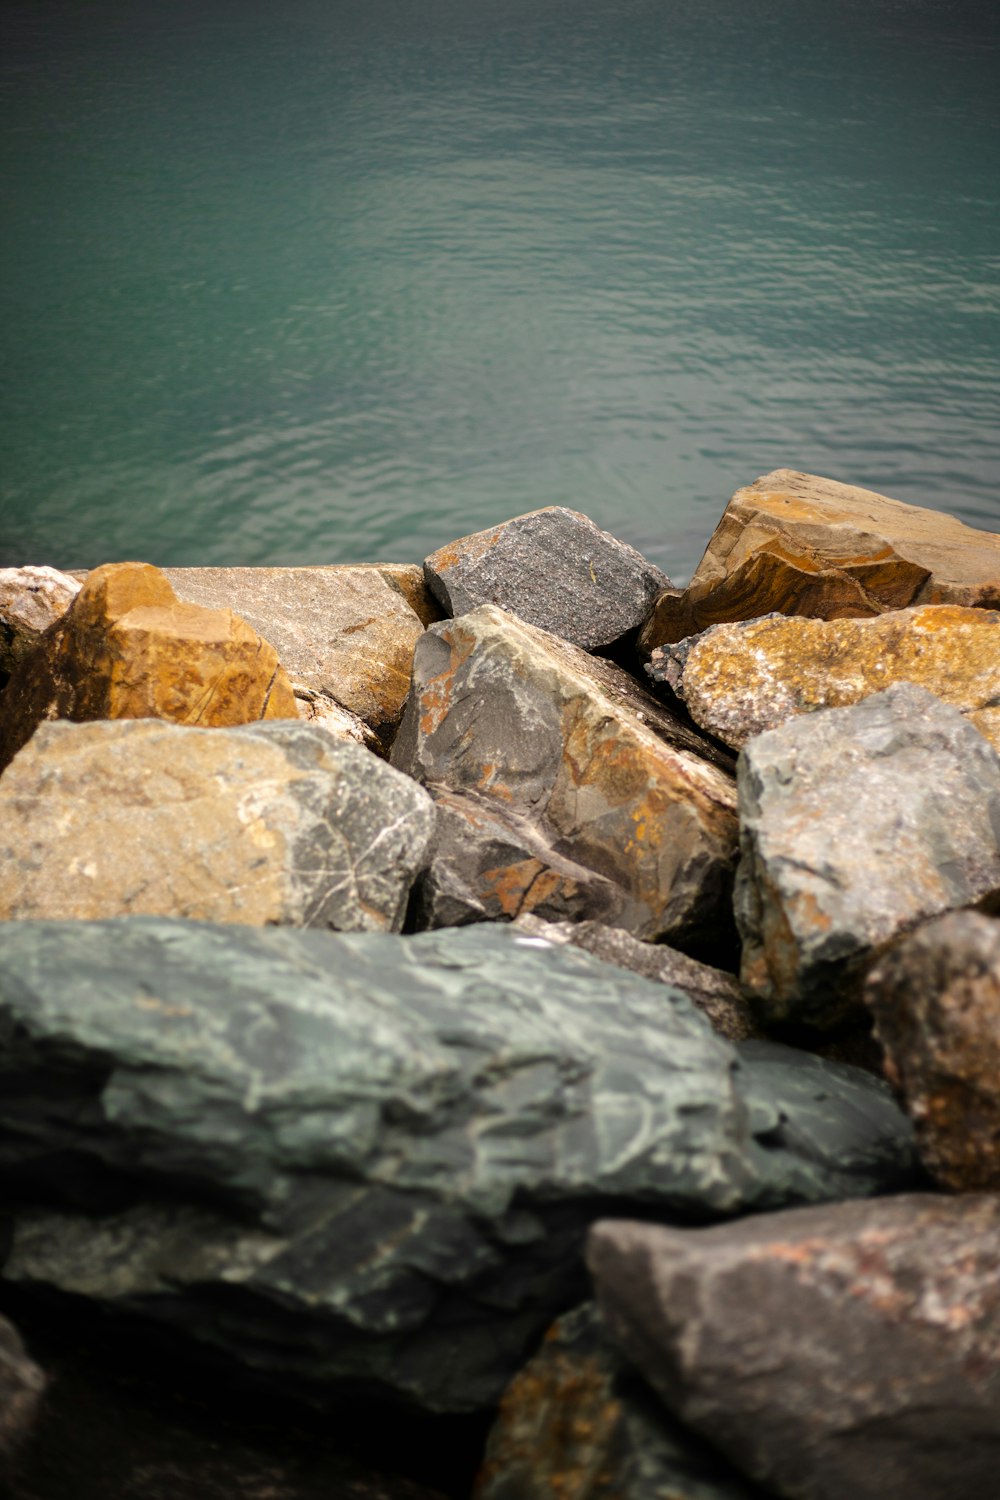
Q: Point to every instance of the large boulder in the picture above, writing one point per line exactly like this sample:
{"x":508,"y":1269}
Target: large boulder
{"x":523,"y":722}
{"x":31,"y":599}
{"x":127,"y":648}
{"x":855,"y":824}
{"x":738,"y":680}
{"x":801,"y":545}
{"x":553,"y":568}
{"x":367,"y":1160}
{"x":844,"y":1350}
{"x":936,"y":1000}
{"x":261,"y":823}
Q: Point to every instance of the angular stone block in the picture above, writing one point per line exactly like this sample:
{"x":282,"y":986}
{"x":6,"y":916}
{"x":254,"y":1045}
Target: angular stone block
{"x":31,"y":599}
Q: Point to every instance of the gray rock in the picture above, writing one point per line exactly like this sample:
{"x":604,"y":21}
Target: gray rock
{"x":577,"y":1423}
{"x":275,"y":822}
{"x":553,"y":568}
{"x":856,"y":823}
{"x":31,"y":599}
{"x":370,"y":1159}
{"x":22,"y":1384}
{"x":846,"y":1350}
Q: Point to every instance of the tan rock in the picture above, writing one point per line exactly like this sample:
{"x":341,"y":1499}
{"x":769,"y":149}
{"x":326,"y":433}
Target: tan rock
{"x":31,"y":599}
{"x":798,"y":544}
{"x":128,"y":649}
{"x":339,"y":723}
{"x":738,"y":680}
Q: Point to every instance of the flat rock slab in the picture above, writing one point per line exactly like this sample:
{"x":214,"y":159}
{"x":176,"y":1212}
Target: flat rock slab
{"x":128,"y":648}
{"x":553,"y":568}
{"x":519,"y":719}
{"x":346,"y":632}
{"x":738,"y":680}
{"x":577,"y":1423}
{"x":847,"y":1350}
{"x":935,"y":997}
{"x":369,"y":1160}
{"x":262,"y":823}
{"x":855,"y":824}
{"x":801,"y":545}
{"x":31,"y":599}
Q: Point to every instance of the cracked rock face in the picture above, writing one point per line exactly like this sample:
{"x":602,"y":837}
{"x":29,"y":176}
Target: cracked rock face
{"x":262,"y":823}
{"x":857,"y":823}
{"x":31,"y":599}
{"x":370,"y":1160}
{"x":516,"y":720}
{"x":553,"y":568}
{"x":852,"y":1349}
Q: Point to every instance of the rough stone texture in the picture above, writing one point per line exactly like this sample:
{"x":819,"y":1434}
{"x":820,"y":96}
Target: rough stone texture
{"x":801,"y":545}
{"x":128,"y":649}
{"x":339,"y":723}
{"x":856,"y":824}
{"x":519,"y":719}
{"x":578,"y":1424}
{"x":262,"y":823}
{"x":21,"y":1386}
{"x":716,"y":993}
{"x":852,"y":1350}
{"x":370,"y":1159}
{"x":553,"y":568}
{"x":936,"y":1001}
{"x":31,"y":599}
{"x":346,"y":632}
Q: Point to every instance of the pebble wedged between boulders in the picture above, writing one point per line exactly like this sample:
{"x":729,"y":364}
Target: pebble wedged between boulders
{"x":370,"y":1159}
{"x":31,"y":599}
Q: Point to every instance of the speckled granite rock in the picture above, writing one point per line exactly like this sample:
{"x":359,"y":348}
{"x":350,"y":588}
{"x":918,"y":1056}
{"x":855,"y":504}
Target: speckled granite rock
{"x":553,"y":568}
{"x":577,"y":1423}
{"x":847,"y":1350}
{"x":519,"y":719}
{"x":22,"y":1385}
{"x":369,"y":1159}
{"x":31,"y":599}
{"x":936,"y":1000}
{"x":261,"y":823}
{"x":855,"y":824}
{"x":738,"y":680}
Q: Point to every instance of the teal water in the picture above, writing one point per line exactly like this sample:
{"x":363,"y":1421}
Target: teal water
{"x":326,"y":281}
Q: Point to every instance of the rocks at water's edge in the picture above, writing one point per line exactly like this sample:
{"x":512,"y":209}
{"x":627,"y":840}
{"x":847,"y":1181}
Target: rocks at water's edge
{"x":31,"y":599}
{"x":553,"y":568}
{"x":855,"y":824}
{"x":369,"y":1160}
{"x":852,"y":1349}
{"x":936,"y":1001}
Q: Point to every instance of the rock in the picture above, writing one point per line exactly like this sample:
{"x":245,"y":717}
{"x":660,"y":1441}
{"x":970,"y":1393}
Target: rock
{"x":21,"y":1386}
{"x":936,"y":1000}
{"x":578,"y":1424}
{"x":31,"y":599}
{"x":714,"y":992}
{"x":530,"y":725}
{"x":553,"y":568}
{"x":128,"y":649}
{"x":339,"y":723}
{"x":846,"y":1350}
{"x":738,"y":680}
{"x":262,"y":823}
{"x":801,"y":545}
{"x":368,"y":1161}
{"x":345,"y":632}
{"x":857,"y":823}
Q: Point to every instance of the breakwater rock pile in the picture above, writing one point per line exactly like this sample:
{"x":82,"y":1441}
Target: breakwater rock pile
{"x":507,"y":1028}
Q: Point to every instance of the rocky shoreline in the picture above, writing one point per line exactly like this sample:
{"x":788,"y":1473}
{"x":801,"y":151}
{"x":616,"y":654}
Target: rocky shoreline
{"x":529,"y":1029}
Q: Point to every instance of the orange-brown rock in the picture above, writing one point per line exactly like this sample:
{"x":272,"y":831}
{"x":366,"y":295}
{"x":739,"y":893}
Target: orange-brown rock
{"x":738,"y":680}
{"x":127,"y":648}
{"x":801,"y":545}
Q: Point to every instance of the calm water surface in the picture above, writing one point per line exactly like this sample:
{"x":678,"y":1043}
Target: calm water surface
{"x":329,"y":281}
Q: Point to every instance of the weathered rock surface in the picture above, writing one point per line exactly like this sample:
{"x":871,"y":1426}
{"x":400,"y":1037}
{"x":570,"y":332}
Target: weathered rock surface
{"x":801,"y":545}
{"x":261,"y":823}
{"x":716,"y":993}
{"x":847,"y":1350}
{"x":577,"y":1423}
{"x":369,"y":1159}
{"x":31,"y":599}
{"x":856,"y":824}
{"x":738,"y":680}
{"x":553,"y":568}
{"x":22,"y":1384}
{"x":520,"y":719}
{"x":936,"y":1000}
{"x":339,"y":723}
{"x":346,"y":632}
{"x":128,"y":649}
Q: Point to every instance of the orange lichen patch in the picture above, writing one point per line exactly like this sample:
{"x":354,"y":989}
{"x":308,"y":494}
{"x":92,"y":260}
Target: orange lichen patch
{"x":436,"y":697}
{"x":467,"y":549}
{"x":522,"y":886}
